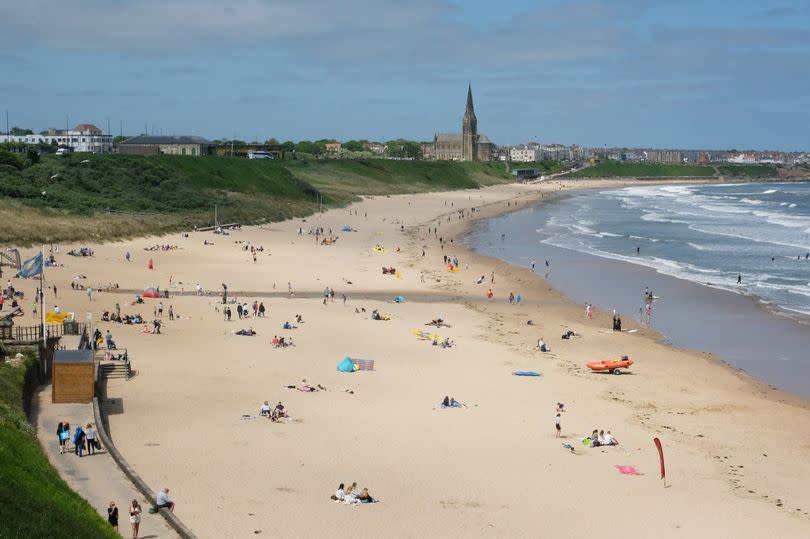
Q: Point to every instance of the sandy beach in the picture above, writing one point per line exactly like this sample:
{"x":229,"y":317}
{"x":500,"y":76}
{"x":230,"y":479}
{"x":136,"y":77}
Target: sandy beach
{"x":737,"y":451}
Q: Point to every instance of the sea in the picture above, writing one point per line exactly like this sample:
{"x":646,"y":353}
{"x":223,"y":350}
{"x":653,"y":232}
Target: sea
{"x":729,"y":264}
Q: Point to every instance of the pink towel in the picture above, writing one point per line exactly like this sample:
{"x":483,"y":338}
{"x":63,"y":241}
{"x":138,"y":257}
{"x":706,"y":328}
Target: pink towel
{"x":627,"y":470}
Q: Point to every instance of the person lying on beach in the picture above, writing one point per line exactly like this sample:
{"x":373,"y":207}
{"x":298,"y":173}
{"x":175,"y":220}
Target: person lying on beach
{"x":246,"y":332}
{"x":542,"y":345}
{"x":365,"y":497}
{"x":450,"y":402}
{"x":439,"y":323}
{"x":375,"y":315}
{"x":481,"y":279}
{"x":287,"y":325}
{"x":568,"y":334}
{"x":265,"y":409}
{"x":305,"y":387}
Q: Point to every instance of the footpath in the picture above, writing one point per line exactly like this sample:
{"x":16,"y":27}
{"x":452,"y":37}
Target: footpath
{"x":96,"y":478}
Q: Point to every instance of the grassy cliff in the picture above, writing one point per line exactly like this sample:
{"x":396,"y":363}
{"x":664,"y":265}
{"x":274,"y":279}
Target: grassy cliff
{"x":34,"y":500}
{"x":109,"y":196}
{"x":613,"y":169}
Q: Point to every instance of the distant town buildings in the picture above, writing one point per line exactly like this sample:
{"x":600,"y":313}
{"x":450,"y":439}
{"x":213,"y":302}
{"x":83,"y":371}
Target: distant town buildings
{"x":664,"y":156}
{"x":333,"y":147}
{"x":83,"y":138}
{"x":169,"y":145}
{"x":470,"y":145}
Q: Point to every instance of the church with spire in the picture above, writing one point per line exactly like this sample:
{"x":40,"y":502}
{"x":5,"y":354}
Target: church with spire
{"x":470,"y":145}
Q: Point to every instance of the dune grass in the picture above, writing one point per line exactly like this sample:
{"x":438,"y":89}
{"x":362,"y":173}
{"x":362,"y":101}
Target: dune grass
{"x":34,"y":500}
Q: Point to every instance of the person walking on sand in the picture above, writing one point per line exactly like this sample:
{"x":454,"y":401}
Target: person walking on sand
{"x":135,"y":517}
{"x":588,"y":311}
{"x":127,"y":257}
{"x":558,"y":426}
{"x":171,"y":312}
{"x":112,"y":516}
{"x":532,"y":264}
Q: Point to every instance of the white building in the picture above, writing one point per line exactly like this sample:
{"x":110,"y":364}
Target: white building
{"x":524,"y":155}
{"x":86,"y":138}
{"x":744,"y":158}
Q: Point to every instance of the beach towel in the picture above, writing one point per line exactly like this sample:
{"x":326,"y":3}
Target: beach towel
{"x":526,"y":373}
{"x":627,"y":470}
{"x":399,"y":299}
{"x":248,"y":417}
{"x":363,"y":364}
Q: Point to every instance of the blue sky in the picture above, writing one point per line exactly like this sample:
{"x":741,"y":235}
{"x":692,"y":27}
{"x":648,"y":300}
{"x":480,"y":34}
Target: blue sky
{"x":687,"y":74}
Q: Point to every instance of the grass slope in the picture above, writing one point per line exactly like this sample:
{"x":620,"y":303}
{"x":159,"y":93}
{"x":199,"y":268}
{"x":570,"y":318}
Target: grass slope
{"x":68,"y":197}
{"x":34,"y":500}
{"x":748,"y":171}
{"x":609,"y":169}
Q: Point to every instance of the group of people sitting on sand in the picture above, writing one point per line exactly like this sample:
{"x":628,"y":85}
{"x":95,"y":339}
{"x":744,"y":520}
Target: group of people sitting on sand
{"x":352,"y":495}
{"x":273,"y":413}
{"x":445,"y":343}
{"x":600,"y":438}
{"x":439,"y":323}
{"x":81,"y":251}
{"x":282,"y":342}
{"x":126,"y":319}
{"x":390,"y":270}
{"x":161,"y":248}
{"x":450,"y":402}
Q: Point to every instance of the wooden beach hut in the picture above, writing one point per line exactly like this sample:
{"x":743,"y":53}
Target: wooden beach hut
{"x":73,"y":376}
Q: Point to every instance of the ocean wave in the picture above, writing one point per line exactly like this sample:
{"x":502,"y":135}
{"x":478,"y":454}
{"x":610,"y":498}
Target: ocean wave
{"x":698,"y":247}
{"x":770,"y":191}
{"x":752,"y":201}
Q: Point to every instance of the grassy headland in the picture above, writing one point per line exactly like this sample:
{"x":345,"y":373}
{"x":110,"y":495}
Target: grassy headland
{"x":35,"y":501}
{"x":613,"y":169}
{"x":104,"y":197}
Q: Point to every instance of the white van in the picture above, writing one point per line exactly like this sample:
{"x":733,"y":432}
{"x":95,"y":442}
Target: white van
{"x":260,"y":154}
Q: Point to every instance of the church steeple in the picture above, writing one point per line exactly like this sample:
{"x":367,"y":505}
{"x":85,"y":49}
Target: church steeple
{"x":470,"y":111}
{"x":469,"y":130}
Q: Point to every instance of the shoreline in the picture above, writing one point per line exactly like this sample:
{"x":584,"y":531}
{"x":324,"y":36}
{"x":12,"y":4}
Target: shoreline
{"x":443,"y":455}
{"x":573,"y":272}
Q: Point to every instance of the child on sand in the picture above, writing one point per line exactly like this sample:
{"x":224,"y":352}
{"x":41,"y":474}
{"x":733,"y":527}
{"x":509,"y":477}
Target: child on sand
{"x":557,"y":425}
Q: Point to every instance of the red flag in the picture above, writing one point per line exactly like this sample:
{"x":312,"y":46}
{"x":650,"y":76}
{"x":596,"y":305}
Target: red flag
{"x":660,"y":456}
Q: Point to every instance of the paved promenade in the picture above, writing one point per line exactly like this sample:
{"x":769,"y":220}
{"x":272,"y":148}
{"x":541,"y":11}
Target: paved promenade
{"x":96,"y":478}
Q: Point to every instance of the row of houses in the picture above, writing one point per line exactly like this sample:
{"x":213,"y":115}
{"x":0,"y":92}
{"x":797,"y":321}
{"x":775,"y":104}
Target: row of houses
{"x":82,"y":138}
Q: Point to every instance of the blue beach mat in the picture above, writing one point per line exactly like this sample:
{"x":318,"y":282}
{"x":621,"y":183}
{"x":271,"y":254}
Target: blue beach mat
{"x":526,"y":373}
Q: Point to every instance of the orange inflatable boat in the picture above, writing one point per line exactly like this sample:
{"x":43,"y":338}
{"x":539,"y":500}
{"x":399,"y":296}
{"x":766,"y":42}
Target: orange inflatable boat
{"x":613,"y":366}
